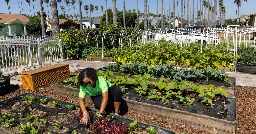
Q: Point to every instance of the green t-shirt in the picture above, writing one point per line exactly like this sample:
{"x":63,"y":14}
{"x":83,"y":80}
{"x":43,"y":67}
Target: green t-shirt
{"x":102,"y":86}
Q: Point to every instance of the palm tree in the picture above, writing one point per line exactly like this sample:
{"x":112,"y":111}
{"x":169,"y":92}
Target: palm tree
{"x":114,"y":12}
{"x":86,"y":8}
{"x":63,"y":10}
{"x":193,"y":16}
{"x":220,"y":11}
{"x":173,"y":6}
{"x":188,"y":12}
{"x":124,"y":14}
{"x":7,"y":2}
{"x":55,"y":18}
{"x":91,"y":10}
{"x":145,"y":15}
{"x":80,"y":13}
{"x":181,"y":12}
{"x":137,"y":10}
{"x":42,"y":17}
{"x":162,"y":15}
{"x":238,"y":3}
{"x":96,"y":8}
{"x":101,"y":8}
{"x":205,"y":5}
{"x":73,"y":3}
{"x":106,"y":1}
{"x":223,"y":10}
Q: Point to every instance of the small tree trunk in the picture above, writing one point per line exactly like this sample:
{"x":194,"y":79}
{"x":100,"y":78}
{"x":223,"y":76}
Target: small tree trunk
{"x":55,"y":18}
{"x":106,"y":1}
{"x":42,"y":17}
{"x":80,"y":13}
{"x":124,"y":14}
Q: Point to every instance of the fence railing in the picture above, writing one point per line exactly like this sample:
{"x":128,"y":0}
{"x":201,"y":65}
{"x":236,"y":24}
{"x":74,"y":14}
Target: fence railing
{"x":27,"y":51}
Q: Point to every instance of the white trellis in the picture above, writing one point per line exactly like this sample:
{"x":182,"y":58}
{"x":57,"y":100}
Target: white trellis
{"x":27,"y":51}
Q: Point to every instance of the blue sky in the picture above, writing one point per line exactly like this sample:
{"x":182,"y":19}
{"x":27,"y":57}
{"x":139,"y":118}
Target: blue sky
{"x":247,"y":7}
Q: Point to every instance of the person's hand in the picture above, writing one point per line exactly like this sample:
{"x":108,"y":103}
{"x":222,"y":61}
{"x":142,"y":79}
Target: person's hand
{"x":85,"y":118}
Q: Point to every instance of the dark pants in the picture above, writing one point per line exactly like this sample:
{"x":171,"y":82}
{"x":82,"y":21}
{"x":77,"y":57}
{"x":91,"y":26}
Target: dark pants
{"x":114,"y":95}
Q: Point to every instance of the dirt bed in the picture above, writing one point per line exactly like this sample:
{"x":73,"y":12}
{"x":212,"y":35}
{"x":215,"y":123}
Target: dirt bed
{"x":246,"y":107}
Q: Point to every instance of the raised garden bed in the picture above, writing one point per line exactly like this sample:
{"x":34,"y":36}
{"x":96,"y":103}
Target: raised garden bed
{"x":99,"y":58}
{"x":200,"y":115}
{"x":4,"y":84}
{"x":202,"y":76}
{"x":31,"y":113}
{"x":251,"y":69}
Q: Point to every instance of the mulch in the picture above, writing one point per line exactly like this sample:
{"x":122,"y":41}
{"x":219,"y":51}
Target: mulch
{"x":246,"y":110}
{"x":246,"y":107}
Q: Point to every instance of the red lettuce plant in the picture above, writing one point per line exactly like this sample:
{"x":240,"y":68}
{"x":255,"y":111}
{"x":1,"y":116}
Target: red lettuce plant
{"x":103,"y":126}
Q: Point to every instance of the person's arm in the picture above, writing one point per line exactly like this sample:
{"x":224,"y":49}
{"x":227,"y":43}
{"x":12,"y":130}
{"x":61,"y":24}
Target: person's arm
{"x":104,"y":87}
{"x":104,"y":102}
{"x":82,"y":105}
{"x":82,"y":95}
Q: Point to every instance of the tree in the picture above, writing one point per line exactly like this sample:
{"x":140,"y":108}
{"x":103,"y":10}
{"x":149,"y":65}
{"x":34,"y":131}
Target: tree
{"x":42,"y":17}
{"x":106,"y":1}
{"x":80,"y":13}
{"x":162,"y":15}
{"x":130,"y":18}
{"x":124,"y":14}
{"x":55,"y":18}
{"x":238,"y":3}
{"x":91,"y":10}
{"x":34,"y":26}
{"x":114,"y":12}
{"x":145,"y":14}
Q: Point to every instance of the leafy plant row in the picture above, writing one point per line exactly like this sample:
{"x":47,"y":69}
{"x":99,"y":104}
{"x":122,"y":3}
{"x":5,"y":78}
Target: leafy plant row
{"x":76,"y":42}
{"x":103,"y":124}
{"x":162,"y":89}
{"x":194,"y":55}
{"x":247,"y":55}
{"x":169,"y":71}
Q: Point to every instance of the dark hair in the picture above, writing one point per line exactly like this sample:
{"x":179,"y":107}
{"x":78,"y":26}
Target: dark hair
{"x":87,"y":72}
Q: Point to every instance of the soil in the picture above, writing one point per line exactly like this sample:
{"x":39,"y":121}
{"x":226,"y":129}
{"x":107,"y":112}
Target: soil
{"x":67,"y":121}
{"x":132,"y":114}
{"x":251,"y":69}
{"x":246,"y":107}
{"x":218,"y":110}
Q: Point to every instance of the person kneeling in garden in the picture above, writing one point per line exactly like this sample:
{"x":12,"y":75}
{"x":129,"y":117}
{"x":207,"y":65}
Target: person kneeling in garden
{"x":104,"y":96}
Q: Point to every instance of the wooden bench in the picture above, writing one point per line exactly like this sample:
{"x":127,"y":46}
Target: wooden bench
{"x":44,"y":76}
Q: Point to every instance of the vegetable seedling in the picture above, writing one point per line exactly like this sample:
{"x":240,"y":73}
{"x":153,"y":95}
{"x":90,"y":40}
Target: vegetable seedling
{"x":58,"y":126}
{"x":2,"y":118}
{"x":25,"y":128}
{"x":34,"y":131}
{"x":10,"y":121}
{"x":151,"y":130}
{"x":43,"y":101}
{"x":31,"y":98}
{"x":43,"y":121}
{"x":54,"y":103}
{"x":74,"y":132}
{"x":134,"y":125}
{"x":70,"y":107}
{"x":110,"y":117}
{"x":20,"y":115}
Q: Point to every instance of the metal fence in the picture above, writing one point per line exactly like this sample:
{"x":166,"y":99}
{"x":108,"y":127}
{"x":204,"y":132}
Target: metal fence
{"x":27,"y":51}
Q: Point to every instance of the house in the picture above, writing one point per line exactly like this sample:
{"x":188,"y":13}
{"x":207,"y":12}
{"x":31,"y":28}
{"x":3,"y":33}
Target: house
{"x":252,"y":20}
{"x":13,"y":24}
{"x":95,"y":22}
{"x":64,"y":24}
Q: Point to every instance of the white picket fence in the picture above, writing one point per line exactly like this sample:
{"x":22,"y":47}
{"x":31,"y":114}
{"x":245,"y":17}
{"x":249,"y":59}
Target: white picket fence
{"x":27,"y":51}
